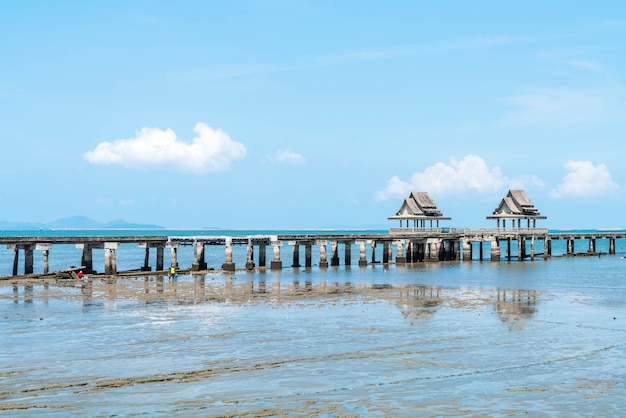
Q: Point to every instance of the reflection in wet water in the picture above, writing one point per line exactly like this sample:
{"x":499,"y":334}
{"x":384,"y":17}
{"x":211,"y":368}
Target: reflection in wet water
{"x":516,"y":307}
{"x":418,"y":303}
{"x":328,"y":343}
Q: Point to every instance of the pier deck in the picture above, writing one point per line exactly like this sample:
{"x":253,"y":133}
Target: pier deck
{"x":399,"y":245}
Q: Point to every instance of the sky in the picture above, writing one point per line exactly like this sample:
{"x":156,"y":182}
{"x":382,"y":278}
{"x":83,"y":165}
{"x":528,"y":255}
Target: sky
{"x":308,"y":114}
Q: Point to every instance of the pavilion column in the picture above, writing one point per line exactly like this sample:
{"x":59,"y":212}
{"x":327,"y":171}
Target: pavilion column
{"x":250,"y":256}
{"x":334,"y":258}
{"x":276,"y":263}
{"x":296,"y":254}
{"x":323,"y":258}
{"x":228,"y":264}
{"x":348,"y":252}
{"x":110,"y":259}
{"x":467,"y":250}
{"x":362,"y":256}
{"x":199,"y":262}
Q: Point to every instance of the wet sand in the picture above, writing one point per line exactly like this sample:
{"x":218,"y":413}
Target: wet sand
{"x":305,"y":344}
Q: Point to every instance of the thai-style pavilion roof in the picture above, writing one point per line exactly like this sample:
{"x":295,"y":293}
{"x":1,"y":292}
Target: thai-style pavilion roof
{"x":516,"y":205}
{"x":418,"y":206}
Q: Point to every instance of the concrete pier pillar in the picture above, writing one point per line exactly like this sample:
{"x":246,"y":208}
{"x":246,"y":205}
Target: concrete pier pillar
{"x":386,"y":251}
{"x":174,"y":254}
{"x":508,"y":249}
{"x":29,"y":258}
{"x":228,"y":264}
{"x":323,"y":256}
{"x":592,"y":244}
{"x":308,"y":258}
{"x":262,"y":254}
{"x":432,"y":249}
{"x":521,"y":249}
{"x":532,"y":248}
{"x":480,"y":250}
{"x":146,"y":259}
{"x":276,"y":263}
{"x":110,"y":259}
{"x":362,"y":256}
{"x":400,"y":257}
{"x":45,"y":249}
{"x":495,"y":250}
{"x":296,"y":254}
{"x":16,"y":259}
{"x":348,"y":253}
{"x":86,"y":258}
{"x":467,"y":250}
{"x":547,"y":248}
{"x":334,"y":258}
{"x":457,"y":251}
{"x":611,"y":245}
{"x":408,"y":252}
{"x":570,"y":246}
{"x":46,"y":264}
{"x":250,"y":256}
{"x":199,"y":262}
{"x":373,"y":250}
{"x":159,"y":257}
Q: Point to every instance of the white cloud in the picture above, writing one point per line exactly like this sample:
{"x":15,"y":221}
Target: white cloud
{"x":286,"y":156}
{"x":584,"y":180}
{"x":563,"y":106}
{"x":211,"y":150}
{"x":471,"y":173}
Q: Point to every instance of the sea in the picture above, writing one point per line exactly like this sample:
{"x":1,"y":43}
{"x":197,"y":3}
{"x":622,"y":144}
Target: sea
{"x":540,"y":338}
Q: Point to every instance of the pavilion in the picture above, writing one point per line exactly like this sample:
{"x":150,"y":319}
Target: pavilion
{"x":516,"y":206}
{"x":419,"y":208}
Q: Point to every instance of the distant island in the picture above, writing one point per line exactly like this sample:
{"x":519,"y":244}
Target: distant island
{"x":75,"y":222}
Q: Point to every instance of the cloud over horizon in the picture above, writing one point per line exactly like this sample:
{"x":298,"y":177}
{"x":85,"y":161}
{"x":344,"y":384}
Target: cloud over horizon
{"x":470,"y":173}
{"x":584,"y":180}
{"x":210,"y":150}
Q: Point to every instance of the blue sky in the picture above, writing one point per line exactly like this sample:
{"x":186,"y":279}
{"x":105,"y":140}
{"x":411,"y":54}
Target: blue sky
{"x":311,"y":114}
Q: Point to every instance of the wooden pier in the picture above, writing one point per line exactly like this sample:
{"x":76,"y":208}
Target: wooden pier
{"x":398,"y":246}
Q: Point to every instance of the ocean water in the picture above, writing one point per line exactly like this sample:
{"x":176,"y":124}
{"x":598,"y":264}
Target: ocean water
{"x":473,"y":338}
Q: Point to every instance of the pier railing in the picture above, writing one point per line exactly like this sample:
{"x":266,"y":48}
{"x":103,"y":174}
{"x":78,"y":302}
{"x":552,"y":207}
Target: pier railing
{"x":422,"y":231}
{"x":468,"y":231}
{"x":504,"y":231}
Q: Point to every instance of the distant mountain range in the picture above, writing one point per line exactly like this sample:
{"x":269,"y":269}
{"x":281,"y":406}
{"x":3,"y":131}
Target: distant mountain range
{"x":75,"y":222}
